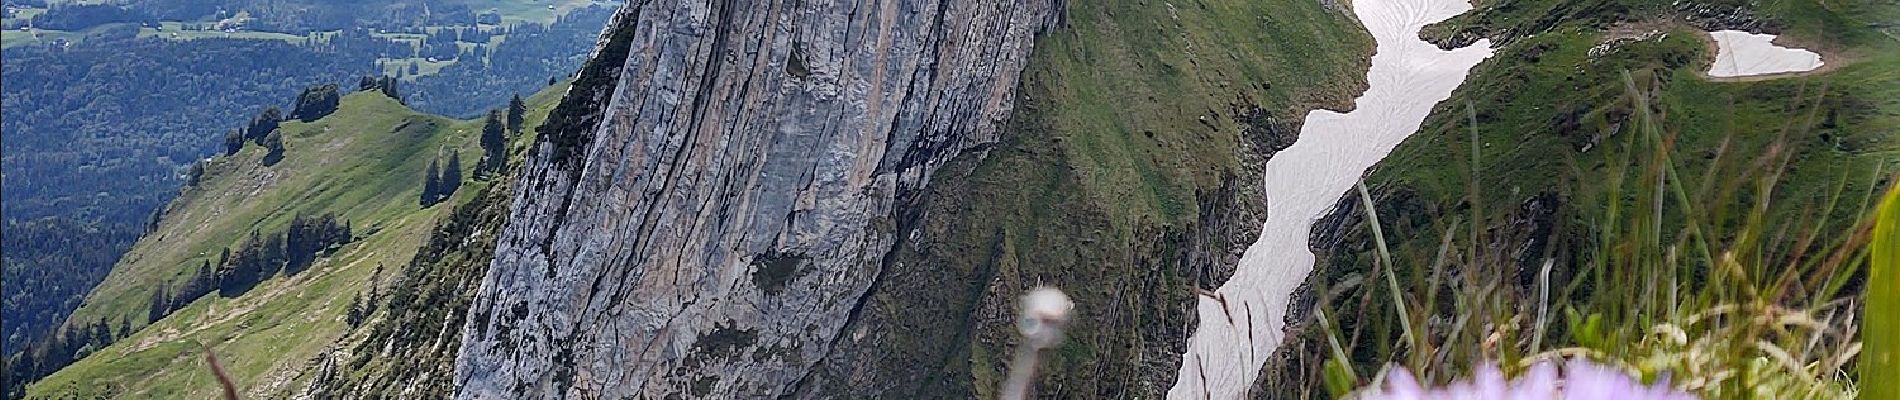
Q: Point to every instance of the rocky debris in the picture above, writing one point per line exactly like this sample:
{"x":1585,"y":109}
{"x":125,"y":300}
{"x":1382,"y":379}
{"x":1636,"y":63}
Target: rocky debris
{"x":1503,"y":27}
{"x":1723,"y":16}
{"x":704,"y":143}
{"x":1612,"y":45}
{"x":1447,"y":37}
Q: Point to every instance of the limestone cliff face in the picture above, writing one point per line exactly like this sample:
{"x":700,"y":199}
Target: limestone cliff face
{"x":705,"y":210}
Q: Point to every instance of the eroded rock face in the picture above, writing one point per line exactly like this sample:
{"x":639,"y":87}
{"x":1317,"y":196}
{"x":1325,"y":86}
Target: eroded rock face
{"x":708,"y":206}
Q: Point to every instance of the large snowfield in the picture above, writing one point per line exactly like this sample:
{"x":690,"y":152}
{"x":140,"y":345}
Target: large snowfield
{"x":1241,"y":328}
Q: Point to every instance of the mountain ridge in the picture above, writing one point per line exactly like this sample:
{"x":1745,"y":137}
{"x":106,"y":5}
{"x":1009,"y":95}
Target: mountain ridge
{"x":363,"y":162}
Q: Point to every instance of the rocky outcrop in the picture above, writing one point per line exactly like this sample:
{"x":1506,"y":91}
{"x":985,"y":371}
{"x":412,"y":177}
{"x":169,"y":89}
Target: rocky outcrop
{"x":1504,"y":25}
{"x":1720,"y":16}
{"x":716,"y":195}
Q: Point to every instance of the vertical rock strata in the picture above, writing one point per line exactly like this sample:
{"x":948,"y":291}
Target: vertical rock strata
{"x":707,"y":207}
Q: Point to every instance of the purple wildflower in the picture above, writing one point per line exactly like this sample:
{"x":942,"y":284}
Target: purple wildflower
{"x":1579,"y":380}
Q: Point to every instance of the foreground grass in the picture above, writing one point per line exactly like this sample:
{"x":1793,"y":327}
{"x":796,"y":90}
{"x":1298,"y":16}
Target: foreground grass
{"x":1883,"y":304}
{"x":1640,"y":190}
{"x":365,"y":163}
{"x":1713,"y":296}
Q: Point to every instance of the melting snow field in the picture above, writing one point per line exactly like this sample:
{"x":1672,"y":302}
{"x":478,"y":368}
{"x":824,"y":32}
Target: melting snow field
{"x":1408,"y":76}
{"x":1739,"y":54}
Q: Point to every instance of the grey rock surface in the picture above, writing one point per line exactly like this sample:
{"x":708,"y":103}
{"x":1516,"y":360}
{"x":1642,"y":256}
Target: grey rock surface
{"x":705,"y":211}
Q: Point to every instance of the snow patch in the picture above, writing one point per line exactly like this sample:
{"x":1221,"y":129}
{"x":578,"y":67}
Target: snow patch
{"x":1739,"y":54}
{"x":1241,"y":323}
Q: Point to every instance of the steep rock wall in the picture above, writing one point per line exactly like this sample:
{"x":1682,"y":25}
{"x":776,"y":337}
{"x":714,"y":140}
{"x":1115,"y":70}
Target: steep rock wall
{"x":714,"y":197}
{"x":1129,"y":176}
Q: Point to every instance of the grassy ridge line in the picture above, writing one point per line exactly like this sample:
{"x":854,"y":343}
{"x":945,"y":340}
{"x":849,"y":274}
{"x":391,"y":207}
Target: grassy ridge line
{"x":365,"y":163}
{"x":384,"y":358}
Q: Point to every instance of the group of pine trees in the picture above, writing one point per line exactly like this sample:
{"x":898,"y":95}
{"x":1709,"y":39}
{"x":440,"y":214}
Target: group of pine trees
{"x":262,"y":130}
{"x":440,"y":183}
{"x":316,"y":102}
{"x":362,"y":307}
{"x":496,"y":131}
{"x":258,"y":258}
{"x":167,"y":298}
{"x":263,"y":256}
{"x":384,"y":84}
{"x":57,"y":351}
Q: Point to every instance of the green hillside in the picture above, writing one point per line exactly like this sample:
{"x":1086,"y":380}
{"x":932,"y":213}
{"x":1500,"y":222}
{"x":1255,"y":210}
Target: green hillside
{"x":1132,"y":159}
{"x":364,"y":163}
{"x":1545,"y":143}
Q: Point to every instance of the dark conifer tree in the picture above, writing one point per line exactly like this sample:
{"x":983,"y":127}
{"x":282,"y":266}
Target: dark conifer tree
{"x":452,"y":175}
{"x":195,"y":174}
{"x":273,"y":114}
{"x":431,"y":185}
{"x":517,"y":111}
{"x":101,"y":335}
{"x":161,"y":304}
{"x":389,"y":89}
{"x":296,"y":239}
{"x":233,"y":142}
{"x":200,"y":283}
{"x":274,"y":142}
{"x":263,"y":124}
{"x":356,"y":312}
{"x":381,"y":84}
{"x":151,"y":222}
{"x":494,"y":145}
{"x":316,"y":102}
{"x":274,"y":256}
{"x":244,"y":269}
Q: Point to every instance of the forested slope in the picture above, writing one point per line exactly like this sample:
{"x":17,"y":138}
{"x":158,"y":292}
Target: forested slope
{"x":365,"y":165}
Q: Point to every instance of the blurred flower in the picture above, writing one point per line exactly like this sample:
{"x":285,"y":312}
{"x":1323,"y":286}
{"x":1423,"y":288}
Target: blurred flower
{"x":1579,"y":380}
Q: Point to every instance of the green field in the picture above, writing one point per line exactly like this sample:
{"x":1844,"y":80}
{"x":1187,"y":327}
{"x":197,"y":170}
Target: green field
{"x":399,"y":67}
{"x":535,"y":11}
{"x":36,"y":36}
{"x":25,"y":13}
{"x":364,"y":163}
{"x":179,"y":31}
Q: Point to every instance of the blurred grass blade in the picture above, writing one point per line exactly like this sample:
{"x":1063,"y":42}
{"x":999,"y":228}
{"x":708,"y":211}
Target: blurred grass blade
{"x":217,"y":370}
{"x":1882,"y":337}
{"x":1387,"y":264}
{"x":1337,"y":370}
